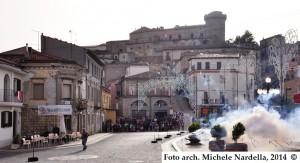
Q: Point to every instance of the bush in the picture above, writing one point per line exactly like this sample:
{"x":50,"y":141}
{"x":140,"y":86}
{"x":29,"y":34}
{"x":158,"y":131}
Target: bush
{"x":194,"y":126}
{"x":238,"y":131}
{"x":218,"y":132}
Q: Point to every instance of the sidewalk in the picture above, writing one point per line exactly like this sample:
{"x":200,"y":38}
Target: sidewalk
{"x":91,"y":140}
{"x":183,"y":145}
{"x":262,"y":144}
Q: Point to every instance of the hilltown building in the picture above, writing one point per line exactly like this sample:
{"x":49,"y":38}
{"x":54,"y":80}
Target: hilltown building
{"x":91,"y":94}
{"x":11,"y":100}
{"x":51,"y":81}
{"x":221,"y":81}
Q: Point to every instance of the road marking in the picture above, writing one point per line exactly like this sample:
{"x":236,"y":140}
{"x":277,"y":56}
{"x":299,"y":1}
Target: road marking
{"x":73,"y":157}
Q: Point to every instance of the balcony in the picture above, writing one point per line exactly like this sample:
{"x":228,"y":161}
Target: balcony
{"x":214,"y":101}
{"x":8,"y":95}
{"x":81,"y":104}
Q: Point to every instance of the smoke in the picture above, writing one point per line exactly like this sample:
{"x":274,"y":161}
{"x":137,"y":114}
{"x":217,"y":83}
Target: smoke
{"x":261,"y":123}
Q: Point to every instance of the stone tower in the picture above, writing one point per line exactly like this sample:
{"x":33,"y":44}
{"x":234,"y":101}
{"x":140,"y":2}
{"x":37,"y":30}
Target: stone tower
{"x":215,"y":21}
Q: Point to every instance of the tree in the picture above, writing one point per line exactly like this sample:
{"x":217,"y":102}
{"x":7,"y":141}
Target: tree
{"x":194,"y":126}
{"x":238,"y":131}
{"x":246,"y":38}
{"x":218,"y":132}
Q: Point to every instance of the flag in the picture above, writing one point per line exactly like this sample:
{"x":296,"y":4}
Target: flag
{"x":20,"y":96}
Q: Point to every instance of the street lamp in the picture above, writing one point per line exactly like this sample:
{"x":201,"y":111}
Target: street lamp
{"x":268,"y":81}
{"x":286,"y":89}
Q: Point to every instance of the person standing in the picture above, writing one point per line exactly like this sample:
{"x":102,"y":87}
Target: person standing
{"x":84,"y":137}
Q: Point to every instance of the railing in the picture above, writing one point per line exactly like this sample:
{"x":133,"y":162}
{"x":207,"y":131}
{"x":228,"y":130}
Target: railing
{"x":214,"y":101}
{"x":81,"y":104}
{"x":8,"y":95}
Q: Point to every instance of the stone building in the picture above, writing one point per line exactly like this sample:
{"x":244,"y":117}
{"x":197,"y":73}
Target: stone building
{"x":92,"y":88}
{"x":220,"y":81}
{"x":157,"y":103}
{"x":51,"y":81}
{"x":160,"y":45}
{"x":11,"y":100}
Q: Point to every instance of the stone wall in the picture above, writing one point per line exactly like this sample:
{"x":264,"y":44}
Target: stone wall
{"x":32,"y":122}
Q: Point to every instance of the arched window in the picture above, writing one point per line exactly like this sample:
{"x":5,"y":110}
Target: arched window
{"x":6,"y":91}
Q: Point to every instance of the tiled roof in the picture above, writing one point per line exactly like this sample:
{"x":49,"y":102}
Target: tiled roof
{"x":7,"y":62}
{"x":19,"y":56}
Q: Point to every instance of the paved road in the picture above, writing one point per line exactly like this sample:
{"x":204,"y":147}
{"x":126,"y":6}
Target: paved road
{"x":114,"y":148}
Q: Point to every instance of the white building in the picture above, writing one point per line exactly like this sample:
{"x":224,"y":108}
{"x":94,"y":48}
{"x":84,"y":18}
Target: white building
{"x":220,"y":80}
{"x":136,"y":69}
{"x":11,"y":101}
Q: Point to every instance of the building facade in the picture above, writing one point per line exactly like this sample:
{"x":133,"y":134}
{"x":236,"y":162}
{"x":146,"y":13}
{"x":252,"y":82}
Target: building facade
{"x":92,"y":88}
{"x":220,"y":81}
{"x":11,"y":100}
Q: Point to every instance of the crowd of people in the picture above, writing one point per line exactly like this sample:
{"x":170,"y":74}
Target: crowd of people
{"x":133,"y":124}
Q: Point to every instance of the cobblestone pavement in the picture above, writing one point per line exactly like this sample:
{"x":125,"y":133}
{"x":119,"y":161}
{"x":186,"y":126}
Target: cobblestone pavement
{"x":135,"y":147}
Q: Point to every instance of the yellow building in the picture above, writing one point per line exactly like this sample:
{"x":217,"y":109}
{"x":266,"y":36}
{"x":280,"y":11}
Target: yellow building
{"x":110,"y":113}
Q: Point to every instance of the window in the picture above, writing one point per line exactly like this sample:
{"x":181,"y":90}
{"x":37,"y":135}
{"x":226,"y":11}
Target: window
{"x":168,"y":56}
{"x":207,"y":66}
{"x":66,"y":91}
{"x":179,"y":37}
{"x":88,"y":65}
{"x":6,"y":119}
{"x":201,"y":35}
{"x":218,"y":65}
{"x":193,"y":67}
{"x":170,"y":37}
{"x":198,"y":65}
{"x":17,"y":86}
{"x":88,"y":92}
{"x":192,"y":35}
{"x":38,"y":91}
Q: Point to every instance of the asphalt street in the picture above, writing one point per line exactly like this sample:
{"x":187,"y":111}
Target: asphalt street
{"x":135,"y":147}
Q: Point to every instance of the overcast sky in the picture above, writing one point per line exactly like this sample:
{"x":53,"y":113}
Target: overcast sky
{"x":94,"y":22}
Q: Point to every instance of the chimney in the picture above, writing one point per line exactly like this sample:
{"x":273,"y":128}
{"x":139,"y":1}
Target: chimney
{"x":28,"y":51}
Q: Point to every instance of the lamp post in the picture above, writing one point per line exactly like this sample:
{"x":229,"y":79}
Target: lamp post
{"x":268,"y":81}
{"x":286,"y":89}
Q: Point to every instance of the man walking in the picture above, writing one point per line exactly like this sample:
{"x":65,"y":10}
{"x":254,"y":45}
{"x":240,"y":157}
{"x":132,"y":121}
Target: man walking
{"x":84,"y":136}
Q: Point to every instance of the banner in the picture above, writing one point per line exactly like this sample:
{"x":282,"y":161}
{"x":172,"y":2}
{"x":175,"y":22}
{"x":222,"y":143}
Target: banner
{"x":54,"y":110}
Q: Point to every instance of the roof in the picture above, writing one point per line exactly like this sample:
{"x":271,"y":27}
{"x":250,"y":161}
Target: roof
{"x":145,"y":75}
{"x":7,"y":62}
{"x":142,"y":29}
{"x":18,"y":56}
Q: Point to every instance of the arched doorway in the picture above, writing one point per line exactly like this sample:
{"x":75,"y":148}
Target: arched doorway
{"x":161,"y":109}
{"x":6,"y":90}
{"x":138,"y":113}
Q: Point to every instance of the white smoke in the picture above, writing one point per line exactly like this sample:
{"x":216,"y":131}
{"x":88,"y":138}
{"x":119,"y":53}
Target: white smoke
{"x":261,"y":123}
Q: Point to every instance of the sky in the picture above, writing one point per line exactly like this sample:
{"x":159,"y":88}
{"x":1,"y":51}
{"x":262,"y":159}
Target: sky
{"x":93,"y":22}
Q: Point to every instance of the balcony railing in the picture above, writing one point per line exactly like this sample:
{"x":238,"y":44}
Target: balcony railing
{"x":214,"y":101}
{"x":81,"y":104}
{"x":8,"y":95}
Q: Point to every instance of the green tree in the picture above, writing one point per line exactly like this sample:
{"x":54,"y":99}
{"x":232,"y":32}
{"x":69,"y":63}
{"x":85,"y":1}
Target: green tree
{"x":246,"y":38}
{"x":218,"y":132}
{"x":238,"y":131}
{"x":194,"y":126}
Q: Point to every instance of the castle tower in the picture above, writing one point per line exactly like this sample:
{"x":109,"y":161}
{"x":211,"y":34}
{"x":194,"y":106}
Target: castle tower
{"x":215,"y":22}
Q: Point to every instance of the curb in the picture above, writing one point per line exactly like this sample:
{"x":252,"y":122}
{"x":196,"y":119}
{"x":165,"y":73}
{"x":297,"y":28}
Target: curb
{"x":174,"y":143}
